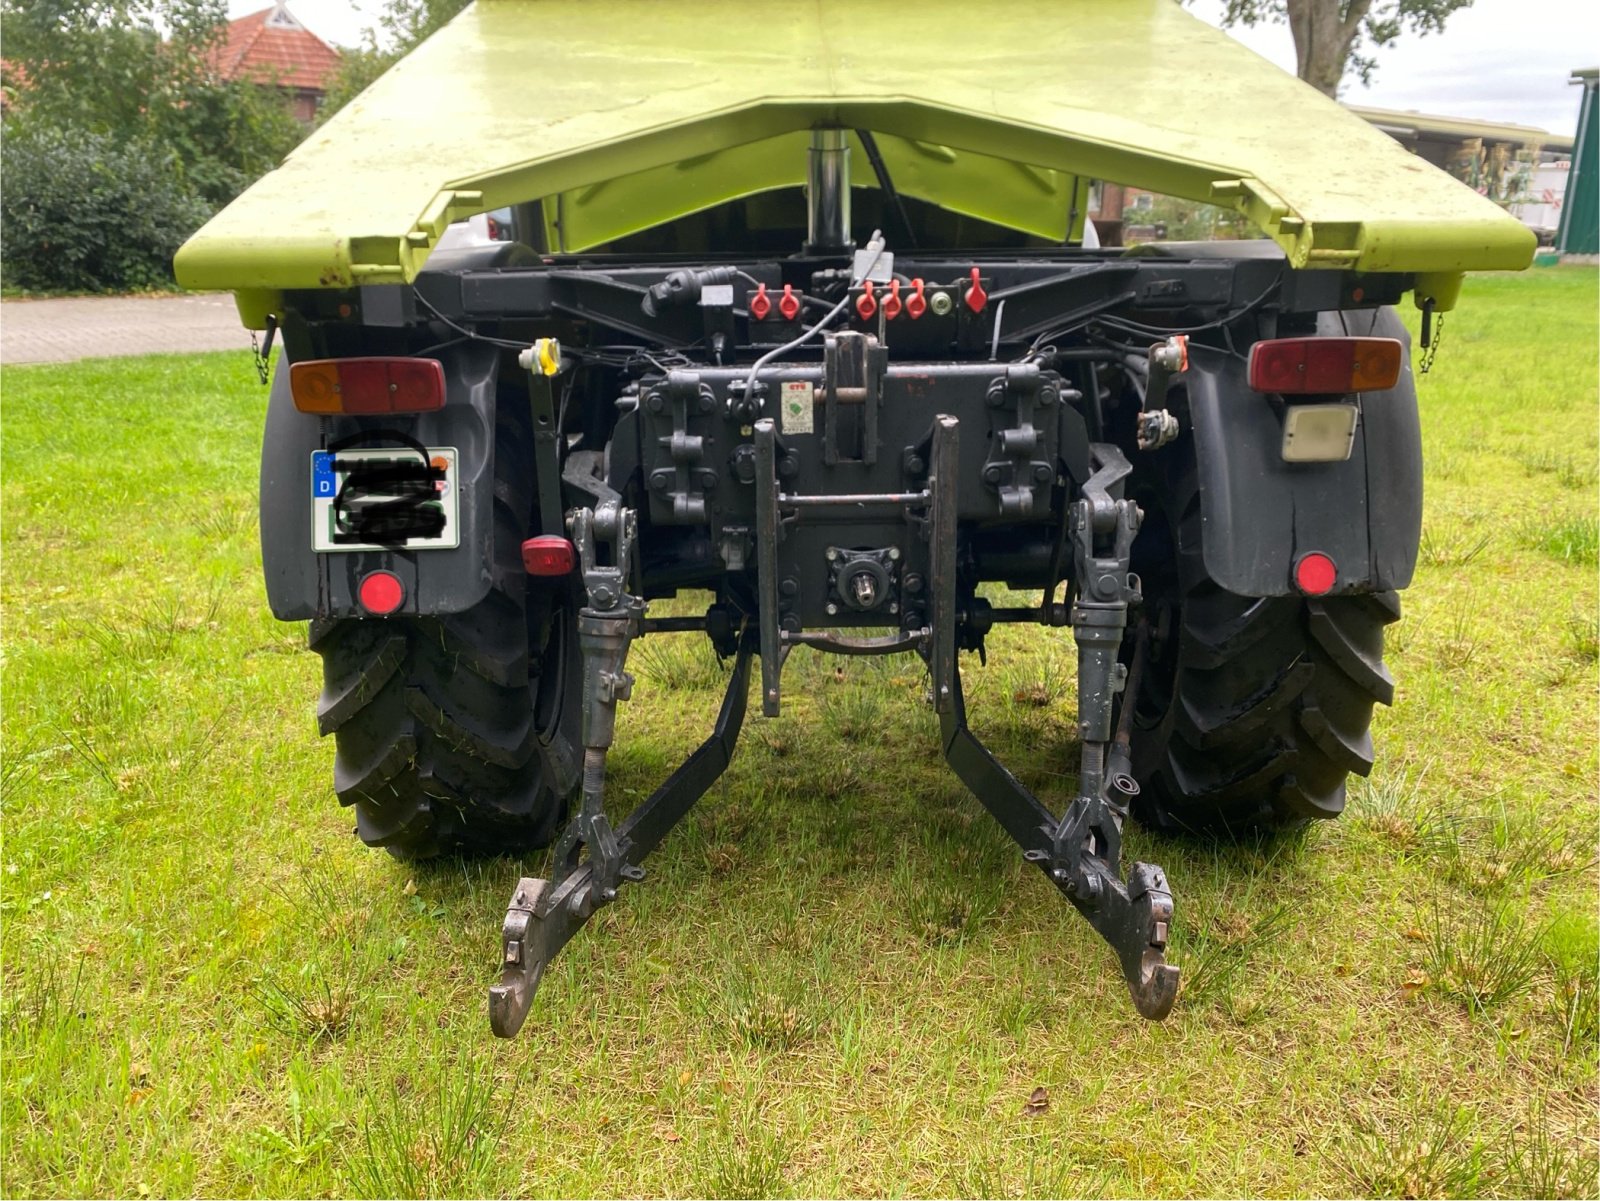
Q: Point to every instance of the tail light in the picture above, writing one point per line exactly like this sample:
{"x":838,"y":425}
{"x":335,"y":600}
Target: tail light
{"x":549,"y":555}
{"x":1325,"y":366}
{"x":367,"y":386}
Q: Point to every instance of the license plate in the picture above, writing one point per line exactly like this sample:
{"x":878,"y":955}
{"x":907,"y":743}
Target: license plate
{"x":388,"y":498}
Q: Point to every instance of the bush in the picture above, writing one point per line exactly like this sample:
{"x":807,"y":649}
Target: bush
{"x":81,"y":212}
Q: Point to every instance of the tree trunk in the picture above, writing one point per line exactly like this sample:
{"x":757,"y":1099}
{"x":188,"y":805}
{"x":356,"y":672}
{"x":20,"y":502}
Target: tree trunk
{"x":1325,"y":32}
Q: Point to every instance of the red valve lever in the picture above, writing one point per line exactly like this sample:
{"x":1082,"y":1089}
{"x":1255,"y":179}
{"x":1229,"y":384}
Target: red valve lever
{"x":891,"y":302}
{"x":866,"y":306}
{"x":916,"y":303}
{"x":976,"y":297}
{"x":789,"y":303}
{"x":760,"y":305}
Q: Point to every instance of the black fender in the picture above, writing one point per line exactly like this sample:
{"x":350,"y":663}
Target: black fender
{"x":1260,"y":514}
{"x":303,"y":584}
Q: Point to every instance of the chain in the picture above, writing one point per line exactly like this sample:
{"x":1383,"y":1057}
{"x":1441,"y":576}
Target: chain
{"x":1432,"y":349}
{"x":260,"y":353}
{"x":259,"y":359}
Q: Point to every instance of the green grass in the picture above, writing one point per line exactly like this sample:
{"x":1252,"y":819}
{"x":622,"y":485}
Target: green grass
{"x":838,"y":979}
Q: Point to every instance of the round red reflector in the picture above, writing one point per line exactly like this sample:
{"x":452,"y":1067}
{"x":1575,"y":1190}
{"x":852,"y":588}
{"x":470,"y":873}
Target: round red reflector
{"x":1315,"y":574}
{"x":381,"y":592}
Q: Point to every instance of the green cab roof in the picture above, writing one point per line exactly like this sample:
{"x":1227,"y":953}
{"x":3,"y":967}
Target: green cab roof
{"x":626,"y":113}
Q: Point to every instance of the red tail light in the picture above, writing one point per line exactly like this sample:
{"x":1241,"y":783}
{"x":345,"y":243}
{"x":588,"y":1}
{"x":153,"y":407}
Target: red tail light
{"x":548,"y":554}
{"x":1327,"y":366}
{"x":367,"y":386}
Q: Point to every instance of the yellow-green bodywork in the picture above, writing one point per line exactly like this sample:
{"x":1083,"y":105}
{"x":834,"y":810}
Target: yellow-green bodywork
{"x":621,"y":114}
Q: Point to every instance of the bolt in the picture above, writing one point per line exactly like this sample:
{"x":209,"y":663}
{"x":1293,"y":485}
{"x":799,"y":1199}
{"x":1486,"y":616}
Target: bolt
{"x":832,"y":608}
{"x":894,"y":606}
{"x":832,"y":554}
{"x":790,"y":587}
{"x":1059,"y":875}
{"x":661,"y":481}
{"x":991,"y":473}
{"x":655,"y":403}
{"x":1042,"y":472}
{"x":913,"y":582}
{"x":894,"y":554}
{"x":915,"y":465}
{"x":791,"y":622}
{"x":941,"y":304}
{"x":772,"y":695}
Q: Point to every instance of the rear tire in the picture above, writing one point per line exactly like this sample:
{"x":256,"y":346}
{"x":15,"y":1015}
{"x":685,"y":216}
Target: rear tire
{"x":1251,"y":711}
{"x":444,"y":725}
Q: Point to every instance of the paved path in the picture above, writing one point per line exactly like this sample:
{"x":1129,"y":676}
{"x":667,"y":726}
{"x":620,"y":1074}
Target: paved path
{"x":58,"y":331}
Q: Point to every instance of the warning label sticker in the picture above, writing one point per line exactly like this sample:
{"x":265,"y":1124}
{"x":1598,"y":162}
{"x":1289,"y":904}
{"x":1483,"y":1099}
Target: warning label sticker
{"x":796,"y":398}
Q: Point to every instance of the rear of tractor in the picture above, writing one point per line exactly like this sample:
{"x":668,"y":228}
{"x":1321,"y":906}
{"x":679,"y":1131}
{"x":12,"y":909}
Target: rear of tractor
{"x":482,"y":469}
{"x":1208,"y":468}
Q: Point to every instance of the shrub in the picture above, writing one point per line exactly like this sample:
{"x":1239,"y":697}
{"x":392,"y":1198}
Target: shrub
{"x":82,"y":212}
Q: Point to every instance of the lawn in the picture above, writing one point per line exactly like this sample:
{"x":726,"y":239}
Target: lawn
{"x":838,"y":978}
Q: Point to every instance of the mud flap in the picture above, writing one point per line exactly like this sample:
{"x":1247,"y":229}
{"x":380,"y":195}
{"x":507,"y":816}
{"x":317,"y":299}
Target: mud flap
{"x":302,"y":584}
{"x":1261,"y":513}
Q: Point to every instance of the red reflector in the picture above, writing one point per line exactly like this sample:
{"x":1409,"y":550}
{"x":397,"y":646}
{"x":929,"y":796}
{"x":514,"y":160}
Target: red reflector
{"x":367,"y":386}
{"x":548,"y":555}
{"x":1315,"y":574}
{"x":381,"y":593}
{"x":1328,"y":366}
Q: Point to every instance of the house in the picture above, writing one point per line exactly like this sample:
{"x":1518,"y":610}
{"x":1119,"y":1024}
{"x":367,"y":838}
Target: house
{"x":273,"y":49}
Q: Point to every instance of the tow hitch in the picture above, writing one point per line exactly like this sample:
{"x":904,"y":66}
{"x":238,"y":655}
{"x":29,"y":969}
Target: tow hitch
{"x":1081,"y":852}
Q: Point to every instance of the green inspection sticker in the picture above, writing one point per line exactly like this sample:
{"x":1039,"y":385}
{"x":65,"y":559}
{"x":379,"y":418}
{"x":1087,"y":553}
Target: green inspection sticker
{"x":796,"y":398}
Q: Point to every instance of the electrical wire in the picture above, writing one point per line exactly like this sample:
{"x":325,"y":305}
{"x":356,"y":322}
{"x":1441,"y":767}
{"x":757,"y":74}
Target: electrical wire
{"x":876,"y":245}
{"x":1081,"y":318}
{"x":1099,"y":315}
{"x":464,"y":331}
{"x":1128,"y":325}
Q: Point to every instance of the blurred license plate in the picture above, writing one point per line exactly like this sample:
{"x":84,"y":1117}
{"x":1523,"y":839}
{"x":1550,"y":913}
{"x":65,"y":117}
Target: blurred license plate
{"x":389,"y":498}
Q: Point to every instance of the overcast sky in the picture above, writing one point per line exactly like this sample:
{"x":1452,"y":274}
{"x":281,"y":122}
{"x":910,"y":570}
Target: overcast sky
{"x":1500,"y":60}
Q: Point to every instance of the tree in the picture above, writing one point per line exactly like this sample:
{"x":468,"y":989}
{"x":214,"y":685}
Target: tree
{"x":1333,"y":37}
{"x":143,"y":72}
{"x":121,"y":137}
{"x":402,"y":25}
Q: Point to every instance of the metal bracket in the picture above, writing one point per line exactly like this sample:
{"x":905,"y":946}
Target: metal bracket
{"x":544,"y":914}
{"x":542,"y":361}
{"x":944,"y":457}
{"x":853,"y":367}
{"x":768,"y":531}
{"x":1021,"y":456}
{"x":685,"y":484}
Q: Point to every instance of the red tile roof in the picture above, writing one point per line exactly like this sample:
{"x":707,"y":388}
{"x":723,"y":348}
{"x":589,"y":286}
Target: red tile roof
{"x":270,"y":46}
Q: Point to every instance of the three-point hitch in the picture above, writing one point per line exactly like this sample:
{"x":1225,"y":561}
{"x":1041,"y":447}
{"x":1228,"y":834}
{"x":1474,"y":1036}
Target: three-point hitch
{"x":1081,"y":851}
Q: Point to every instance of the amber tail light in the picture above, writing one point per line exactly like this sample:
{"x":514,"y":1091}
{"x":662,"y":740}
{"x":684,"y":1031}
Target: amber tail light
{"x":1325,"y":366}
{"x":367,"y":386}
